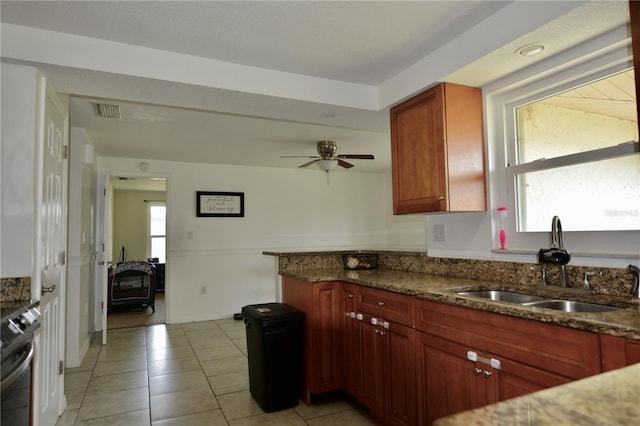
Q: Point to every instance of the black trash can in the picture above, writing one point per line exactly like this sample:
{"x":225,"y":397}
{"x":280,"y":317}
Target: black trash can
{"x":274,"y":348}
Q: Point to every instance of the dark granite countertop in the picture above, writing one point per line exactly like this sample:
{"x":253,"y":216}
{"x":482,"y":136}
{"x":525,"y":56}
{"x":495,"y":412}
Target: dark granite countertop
{"x":623,"y":322}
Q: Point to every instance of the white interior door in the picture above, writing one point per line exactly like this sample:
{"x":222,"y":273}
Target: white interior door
{"x":51,"y":263}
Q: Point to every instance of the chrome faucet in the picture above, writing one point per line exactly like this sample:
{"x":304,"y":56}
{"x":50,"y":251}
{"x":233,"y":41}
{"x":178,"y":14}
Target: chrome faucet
{"x":557,"y":242}
{"x":556,"y":233}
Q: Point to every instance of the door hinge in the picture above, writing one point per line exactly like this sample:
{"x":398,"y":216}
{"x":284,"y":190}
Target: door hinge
{"x":60,"y":367}
{"x":63,"y":257}
{"x":65,"y":152}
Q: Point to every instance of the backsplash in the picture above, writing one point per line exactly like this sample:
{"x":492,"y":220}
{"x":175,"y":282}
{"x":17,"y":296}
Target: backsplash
{"x":613,"y":281}
{"x":13,"y":289}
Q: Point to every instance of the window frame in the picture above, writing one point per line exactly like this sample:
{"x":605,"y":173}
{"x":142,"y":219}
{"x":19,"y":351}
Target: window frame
{"x":598,"y":58}
{"x":151,"y":204}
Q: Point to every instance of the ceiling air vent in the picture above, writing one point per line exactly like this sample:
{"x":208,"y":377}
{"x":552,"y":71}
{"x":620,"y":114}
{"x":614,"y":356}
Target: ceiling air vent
{"x":109,"y":111}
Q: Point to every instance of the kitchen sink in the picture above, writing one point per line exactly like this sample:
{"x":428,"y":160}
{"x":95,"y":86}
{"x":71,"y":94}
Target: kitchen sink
{"x":503,"y":296}
{"x":538,"y":301}
{"x":571,"y":306}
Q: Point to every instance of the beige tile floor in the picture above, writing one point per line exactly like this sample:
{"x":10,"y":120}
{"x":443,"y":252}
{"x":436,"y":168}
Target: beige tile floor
{"x":184,"y":375}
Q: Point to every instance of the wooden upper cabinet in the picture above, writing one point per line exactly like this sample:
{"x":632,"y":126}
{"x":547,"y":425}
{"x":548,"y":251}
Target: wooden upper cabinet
{"x":634,"y":11}
{"x":437,"y":149}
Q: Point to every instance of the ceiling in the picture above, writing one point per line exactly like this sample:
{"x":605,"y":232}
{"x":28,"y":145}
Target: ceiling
{"x":243,"y":83}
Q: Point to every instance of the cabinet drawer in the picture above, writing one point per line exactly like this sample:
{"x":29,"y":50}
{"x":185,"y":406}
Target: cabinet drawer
{"x":386,"y":304}
{"x":567,"y":352}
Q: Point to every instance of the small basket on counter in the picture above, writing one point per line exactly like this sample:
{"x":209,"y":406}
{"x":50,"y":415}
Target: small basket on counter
{"x":360,"y":260}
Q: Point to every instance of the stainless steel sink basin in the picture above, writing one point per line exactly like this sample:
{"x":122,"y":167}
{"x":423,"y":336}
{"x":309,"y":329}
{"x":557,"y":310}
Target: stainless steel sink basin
{"x":538,"y":301}
{"x":571,"y":306}
{"x":503,"y":296}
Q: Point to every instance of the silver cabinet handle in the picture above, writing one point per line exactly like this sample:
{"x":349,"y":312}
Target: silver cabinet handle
{"x":350,"y":295}
{"x":47,"y":289}
{"x":441,"y":198}
{"x":487,"y":374}
{"x":477,"y":371}
{"x":381,"y":303}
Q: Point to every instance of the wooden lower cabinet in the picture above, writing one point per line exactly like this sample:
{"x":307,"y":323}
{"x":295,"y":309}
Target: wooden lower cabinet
{"x":447,"y":382}
{"x":618,"y":352}
{"x":532,"y":356}
{"x":320,"y":301}
{"x":400,"y":401}
{"x":388,"y":385}
{"x":415,"y":368}
{"x":351,"y":343}
{"x":379,"y":362}
{"x":374,"y":361}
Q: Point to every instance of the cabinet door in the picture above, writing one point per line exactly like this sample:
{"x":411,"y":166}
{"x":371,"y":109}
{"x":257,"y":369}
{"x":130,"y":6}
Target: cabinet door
{"x":516,"y":379}
{"x":320,"y":303}
{"x":437,"y":151}
{"x":418,"y":156}
{"x":327,"y":347}
{"x":401,"y":397}
{"x":618,"y":352}
{"x":448,"y":382}
{"x":374,"y":368}
{"x":351,"y":353}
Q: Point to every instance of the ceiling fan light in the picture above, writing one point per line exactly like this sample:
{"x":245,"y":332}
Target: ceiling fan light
{"x":327,"y":165}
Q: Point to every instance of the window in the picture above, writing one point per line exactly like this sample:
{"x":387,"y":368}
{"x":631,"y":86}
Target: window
{"x":573,"y":152}
{"x":158,"y":231}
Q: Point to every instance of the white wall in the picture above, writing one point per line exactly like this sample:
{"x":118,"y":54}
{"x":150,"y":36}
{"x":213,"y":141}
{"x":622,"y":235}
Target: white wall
{"x":21,"y":91}
{"x":285,"y":209}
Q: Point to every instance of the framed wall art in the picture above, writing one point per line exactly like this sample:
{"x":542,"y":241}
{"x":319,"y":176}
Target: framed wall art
{"x":219,"y":204}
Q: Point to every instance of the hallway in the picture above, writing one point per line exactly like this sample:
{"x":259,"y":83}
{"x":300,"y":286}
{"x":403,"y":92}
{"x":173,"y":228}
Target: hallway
{"x":183,"y":374}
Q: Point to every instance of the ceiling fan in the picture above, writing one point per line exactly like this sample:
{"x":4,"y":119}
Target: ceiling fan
{"x":328,"y":160}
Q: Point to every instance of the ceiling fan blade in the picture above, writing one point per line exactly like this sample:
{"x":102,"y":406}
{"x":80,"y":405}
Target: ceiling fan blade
{"x":299,"y":156}
{"x":309,"y":163}
{"x":344,"y":164}
{"x":357,"y":156}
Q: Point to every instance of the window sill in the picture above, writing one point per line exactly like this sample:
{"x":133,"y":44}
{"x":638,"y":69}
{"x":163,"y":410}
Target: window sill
{"x":633,"y":256}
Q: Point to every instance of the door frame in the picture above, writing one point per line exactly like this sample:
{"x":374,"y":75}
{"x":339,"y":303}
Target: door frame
{"x":104,"y":242}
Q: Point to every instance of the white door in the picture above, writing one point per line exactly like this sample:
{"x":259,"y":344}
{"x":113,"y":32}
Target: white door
{"x":52,"y":265}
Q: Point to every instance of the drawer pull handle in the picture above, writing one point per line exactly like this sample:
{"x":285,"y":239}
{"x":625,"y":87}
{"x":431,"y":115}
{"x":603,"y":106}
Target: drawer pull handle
{"x":487,"y":374}
{"x":381,"y":303}
{"x":350,"y":295}
{"x":477,"y":371}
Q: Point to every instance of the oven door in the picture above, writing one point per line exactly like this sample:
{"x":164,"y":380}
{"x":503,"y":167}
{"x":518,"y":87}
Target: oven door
{"x":16,"y":387}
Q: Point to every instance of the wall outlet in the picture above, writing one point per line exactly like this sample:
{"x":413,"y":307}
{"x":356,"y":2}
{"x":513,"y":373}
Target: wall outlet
{"x":203,"y":290}
{"x":439,"y":233}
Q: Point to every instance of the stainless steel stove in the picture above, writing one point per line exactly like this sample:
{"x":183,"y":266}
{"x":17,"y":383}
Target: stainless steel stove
{"x":18,"y":325}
